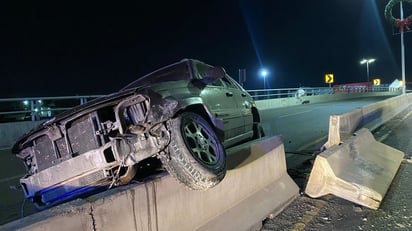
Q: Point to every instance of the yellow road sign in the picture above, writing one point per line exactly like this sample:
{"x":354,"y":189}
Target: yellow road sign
{"x":329,"y":78}
{"x":376,"y":82}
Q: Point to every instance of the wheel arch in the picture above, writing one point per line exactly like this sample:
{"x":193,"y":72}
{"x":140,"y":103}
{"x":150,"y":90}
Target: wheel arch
{"x":201,"y":110}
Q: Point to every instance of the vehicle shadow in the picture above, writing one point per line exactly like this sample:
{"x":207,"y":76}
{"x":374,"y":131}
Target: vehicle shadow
{"x":246,"y":153}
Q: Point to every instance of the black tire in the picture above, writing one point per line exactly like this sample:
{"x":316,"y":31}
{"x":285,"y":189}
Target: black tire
{"x":258,"y":131}
{"x":196,"y":156}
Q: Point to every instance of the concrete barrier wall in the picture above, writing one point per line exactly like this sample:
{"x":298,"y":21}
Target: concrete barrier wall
{"x":10,"y":132}
{"x":286,"y":102}
{"x":370,"y":116}
{"x":255,"y":186}
{"x":376,"y":114}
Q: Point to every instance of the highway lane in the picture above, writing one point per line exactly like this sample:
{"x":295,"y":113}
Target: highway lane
{"x":305,"y":127}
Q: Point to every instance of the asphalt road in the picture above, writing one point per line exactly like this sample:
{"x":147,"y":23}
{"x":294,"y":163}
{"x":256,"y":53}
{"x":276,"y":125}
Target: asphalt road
{"x":303,"y":127}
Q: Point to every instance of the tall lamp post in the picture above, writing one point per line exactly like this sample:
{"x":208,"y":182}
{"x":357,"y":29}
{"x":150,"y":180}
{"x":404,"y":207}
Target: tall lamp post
{"x":403,"y":24}
{"x":367,"y":61}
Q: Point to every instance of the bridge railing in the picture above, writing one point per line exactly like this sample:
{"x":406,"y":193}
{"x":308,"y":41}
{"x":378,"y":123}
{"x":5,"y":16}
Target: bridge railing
{"x":38,"y":108}
{"x":262,"y":94}
{"x":310,"y":91}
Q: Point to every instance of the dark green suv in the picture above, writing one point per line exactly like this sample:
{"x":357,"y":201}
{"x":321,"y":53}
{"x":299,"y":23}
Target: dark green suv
{"x":184,"y":114}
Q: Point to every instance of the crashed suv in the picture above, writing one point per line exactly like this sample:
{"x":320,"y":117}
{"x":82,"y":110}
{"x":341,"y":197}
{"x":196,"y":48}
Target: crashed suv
{"x":184,"y":114}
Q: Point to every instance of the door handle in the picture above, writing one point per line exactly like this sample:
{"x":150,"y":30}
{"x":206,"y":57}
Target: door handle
{"x":229,"y":94}
{"x":243,"y":95}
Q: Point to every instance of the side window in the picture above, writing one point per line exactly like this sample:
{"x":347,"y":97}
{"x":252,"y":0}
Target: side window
{"x":217,"y":83}
{"x":228,"y":83}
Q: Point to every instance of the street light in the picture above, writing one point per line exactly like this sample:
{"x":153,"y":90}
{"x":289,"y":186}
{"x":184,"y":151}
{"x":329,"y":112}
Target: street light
{"x":367,"y":61}
{"x":264,"y":73}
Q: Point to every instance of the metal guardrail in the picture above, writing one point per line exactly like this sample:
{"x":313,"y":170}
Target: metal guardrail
{"x":38,"y":108}
{"x":288,"y":92}
{"x":310,"y":91}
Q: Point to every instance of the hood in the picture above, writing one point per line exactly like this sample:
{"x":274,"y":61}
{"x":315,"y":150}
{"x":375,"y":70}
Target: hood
{"x":75,"y":111}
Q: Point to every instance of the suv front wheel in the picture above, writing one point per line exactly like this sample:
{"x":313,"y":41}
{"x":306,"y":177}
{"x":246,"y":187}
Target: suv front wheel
{"x":196,"y":156}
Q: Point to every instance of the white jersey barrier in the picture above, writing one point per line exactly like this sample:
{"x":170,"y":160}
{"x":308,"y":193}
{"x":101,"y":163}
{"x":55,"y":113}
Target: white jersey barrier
{"x":359,"y":170}
{"x":255,"y":186}
{"x":371,"y":117}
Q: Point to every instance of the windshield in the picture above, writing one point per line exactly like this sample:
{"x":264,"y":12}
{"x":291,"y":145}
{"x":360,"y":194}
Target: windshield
{"x":173,"y":72}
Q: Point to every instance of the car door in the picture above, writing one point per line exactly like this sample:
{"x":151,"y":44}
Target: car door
{"x":223,"y":104}
{"x":244,"y":103}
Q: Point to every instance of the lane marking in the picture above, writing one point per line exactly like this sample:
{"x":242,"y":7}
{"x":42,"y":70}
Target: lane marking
{"x":406,"y":116}
{"x":304,"y":147}
{"x":407,"y":161}
{"x":383,"y":137}
{"x":293,"y":114}
{"x":5,"y":148}
{"x":10,"y":178}
{"x":310,"y":215}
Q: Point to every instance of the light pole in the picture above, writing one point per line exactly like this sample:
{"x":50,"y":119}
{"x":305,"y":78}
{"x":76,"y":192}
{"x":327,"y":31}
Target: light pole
{"x":403,"y":24}
{"x":403,"y":53}
{"x":264,"y":73}
{"x":367,"y":61}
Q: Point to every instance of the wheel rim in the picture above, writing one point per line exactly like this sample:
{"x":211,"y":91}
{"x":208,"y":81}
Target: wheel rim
{"x":200,"y":142}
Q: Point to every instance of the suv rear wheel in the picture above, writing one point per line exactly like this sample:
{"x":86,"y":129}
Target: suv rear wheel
{"x":196,"y":156}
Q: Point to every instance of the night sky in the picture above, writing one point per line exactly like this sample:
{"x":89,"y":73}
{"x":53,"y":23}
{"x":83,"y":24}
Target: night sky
{"x":66,"y":48}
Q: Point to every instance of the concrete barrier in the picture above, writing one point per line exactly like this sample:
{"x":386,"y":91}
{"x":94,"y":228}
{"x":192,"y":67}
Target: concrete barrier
{"x":292,"y":101}
{"x":255,"y":186}
{"x":359,"y":170}
{"x":370,"y":116}
{"x":9,"y":132}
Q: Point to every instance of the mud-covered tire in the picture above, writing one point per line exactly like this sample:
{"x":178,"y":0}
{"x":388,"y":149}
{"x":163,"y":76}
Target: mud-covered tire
{"x":196,"y":156}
